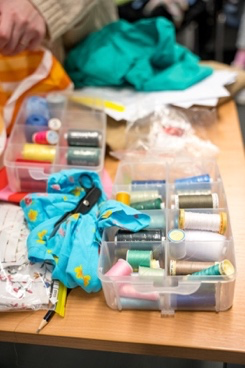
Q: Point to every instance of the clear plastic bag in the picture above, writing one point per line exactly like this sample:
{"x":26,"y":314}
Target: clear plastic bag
{"x":169,"y":132}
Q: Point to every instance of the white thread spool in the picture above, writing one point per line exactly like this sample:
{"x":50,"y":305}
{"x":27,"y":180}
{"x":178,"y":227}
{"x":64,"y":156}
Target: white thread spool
{"x":205,"y":245}
{"x":203,"y":221}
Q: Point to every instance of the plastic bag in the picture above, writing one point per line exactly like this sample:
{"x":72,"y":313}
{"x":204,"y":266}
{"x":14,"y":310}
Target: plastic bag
{"x":169,"y":132}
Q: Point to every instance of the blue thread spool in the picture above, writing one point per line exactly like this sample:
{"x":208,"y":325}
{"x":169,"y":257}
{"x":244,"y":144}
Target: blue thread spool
{"x":34,"y":123}
{"x":204,"y":298}
{"x":37,"y":105}
{"x":133,"y":303}
{"x":194,"y":183}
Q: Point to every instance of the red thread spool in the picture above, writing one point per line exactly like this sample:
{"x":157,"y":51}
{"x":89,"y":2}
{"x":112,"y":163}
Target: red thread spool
{"x":45,"y":137}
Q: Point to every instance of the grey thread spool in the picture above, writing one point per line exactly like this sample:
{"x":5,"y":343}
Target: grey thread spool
{"x":147,"y":235}
{"x":187,"y":267}
{"x":197,"y":201}
{"x":83,"y":138}
{"x":83,"y":156}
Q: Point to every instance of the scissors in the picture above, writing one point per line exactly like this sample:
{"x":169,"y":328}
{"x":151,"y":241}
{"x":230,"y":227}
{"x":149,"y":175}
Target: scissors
{"x":85,"y":204}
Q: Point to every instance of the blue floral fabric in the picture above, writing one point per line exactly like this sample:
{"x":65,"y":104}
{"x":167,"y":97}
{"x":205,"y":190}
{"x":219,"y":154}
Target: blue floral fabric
{"x":74,"y":249}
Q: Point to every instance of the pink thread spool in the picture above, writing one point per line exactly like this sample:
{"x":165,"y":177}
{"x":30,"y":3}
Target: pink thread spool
{"x":45,"y":137}
{"x":121,"y":268}
{"x":128,"y":291}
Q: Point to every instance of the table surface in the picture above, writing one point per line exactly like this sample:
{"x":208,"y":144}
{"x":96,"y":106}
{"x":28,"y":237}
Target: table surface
{"x":90,"y":324}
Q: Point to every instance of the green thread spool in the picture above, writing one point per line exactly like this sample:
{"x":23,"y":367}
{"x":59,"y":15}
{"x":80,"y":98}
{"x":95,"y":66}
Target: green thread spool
{"x":197,"y":201}
{"x":224,"y":268}
{"x":138,"y":258}
{"x":155,"y":204}
{"x":81,"y":156}
{"x":142,"y":196}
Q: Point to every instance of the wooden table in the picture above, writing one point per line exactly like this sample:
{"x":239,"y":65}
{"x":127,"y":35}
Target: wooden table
{"x":90,"y":324}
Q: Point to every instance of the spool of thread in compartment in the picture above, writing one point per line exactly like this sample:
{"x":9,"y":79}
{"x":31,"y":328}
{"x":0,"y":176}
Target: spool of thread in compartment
{"x":45,"y":137}
{"x":157,"y":219}
{"x":142,"y":196}
{"x":224,"y":268}
{"x":143,"y":235}
{"x":203,"y":221}
{"x":37,"y":105}
{"x":140,"y":304}
{"x":38,"y":152}
{"x":123,"y":197}
{"x":34,"y":123}
{"x":145,"y":185}
{"x":81,"y":156}
{"x":84,"y":138}
{"x":198,"y":181}
{"x":177,"y":244}
{"x":187,"y":267}
{"x":54,"y":124}
{"x":120,"y":268}
{"x":138,"y":258}
{"x":56,"y":104}
{"x":155,"y":204}
{"x":196,"y":201}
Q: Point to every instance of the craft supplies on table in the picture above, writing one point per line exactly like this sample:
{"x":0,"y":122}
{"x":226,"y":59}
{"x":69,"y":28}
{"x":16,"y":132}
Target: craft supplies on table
{"x":185,"y":258}
{"x":49,"y":135}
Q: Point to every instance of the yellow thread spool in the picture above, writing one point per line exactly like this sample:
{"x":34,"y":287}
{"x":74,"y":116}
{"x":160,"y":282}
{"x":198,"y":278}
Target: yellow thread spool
{"x":38,"y":152}
{"x":123,"y":197}
{"x":223,"y":223}
{"x":182,"y":219}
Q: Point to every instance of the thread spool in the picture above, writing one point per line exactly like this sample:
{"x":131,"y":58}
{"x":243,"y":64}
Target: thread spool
{"x":155,"y":204}
{"x":151,"y":272}
{"x":187,"y":267}
{"x":37,"y":105}
{"x":45,"y":137}
{"x":138,"y":258}
{"x":203,"y":299}
{"x":123,"y":197}
{"x":198,"y":182}
{"x":84,"y":138}
{"x":120,"y":268}
{"x":129,"y":291}
{"x":81,"y":156}
{"x":224,"y":268}
{"x":33,"y":124}
{"x":140,"y":236}
{"x":54,"y":124}
{"x":196,"y":201}
{"x":157,"y":219}
{"x":38,"y":152}
{"x":177,"y":244}
{"x":145,"y":185}
{"x":203,"y":221}
{"x":140,"y":304}
{"x":56,"y":103}
{"x":142,"y":196}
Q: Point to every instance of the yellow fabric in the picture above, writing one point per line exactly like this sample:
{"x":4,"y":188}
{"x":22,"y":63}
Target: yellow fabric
{"x":18,"y":78}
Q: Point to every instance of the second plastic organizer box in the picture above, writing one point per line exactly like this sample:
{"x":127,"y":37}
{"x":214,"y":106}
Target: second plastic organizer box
{"x":50,"y":134}
{"x":184,"y":259}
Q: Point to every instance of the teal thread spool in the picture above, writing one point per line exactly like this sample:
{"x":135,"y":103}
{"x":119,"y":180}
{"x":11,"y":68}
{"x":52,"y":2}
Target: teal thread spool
{"x":151,"y":272}
{"x":141,"y":196}
{"x":155,"y":204}
{"x":138,"y":258}
{"x":222,"y":268}
{"x":81,"y":156}
{"x":157,"y":219}
{"x":133,"y":303}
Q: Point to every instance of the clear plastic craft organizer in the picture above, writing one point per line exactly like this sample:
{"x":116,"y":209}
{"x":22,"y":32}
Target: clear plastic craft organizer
{"x":53,"y":132}
{"x":184,"y":259}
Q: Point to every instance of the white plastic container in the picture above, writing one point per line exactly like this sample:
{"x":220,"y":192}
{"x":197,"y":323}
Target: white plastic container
{"x":170,"y":291}
{"x":25,"y":173}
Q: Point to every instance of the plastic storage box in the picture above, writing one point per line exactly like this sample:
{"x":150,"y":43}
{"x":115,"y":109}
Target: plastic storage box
{"x":185,"y":259}
{"x":51,"y":133}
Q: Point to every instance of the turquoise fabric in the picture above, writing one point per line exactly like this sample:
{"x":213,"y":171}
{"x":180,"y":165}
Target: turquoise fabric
{"x":143,"y":54}
{"x":74,"y":250}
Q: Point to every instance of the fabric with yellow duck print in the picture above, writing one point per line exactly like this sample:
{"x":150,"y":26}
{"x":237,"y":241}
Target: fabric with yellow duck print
{"x":74,"y":250}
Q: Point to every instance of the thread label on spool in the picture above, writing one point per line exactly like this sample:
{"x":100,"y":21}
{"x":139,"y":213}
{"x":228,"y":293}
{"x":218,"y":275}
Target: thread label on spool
{"x":176,"y":235}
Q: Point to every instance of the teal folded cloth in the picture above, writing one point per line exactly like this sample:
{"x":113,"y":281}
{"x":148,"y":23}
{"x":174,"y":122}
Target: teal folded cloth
{"x":143,"y":55}
{"x":74,"y":249}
